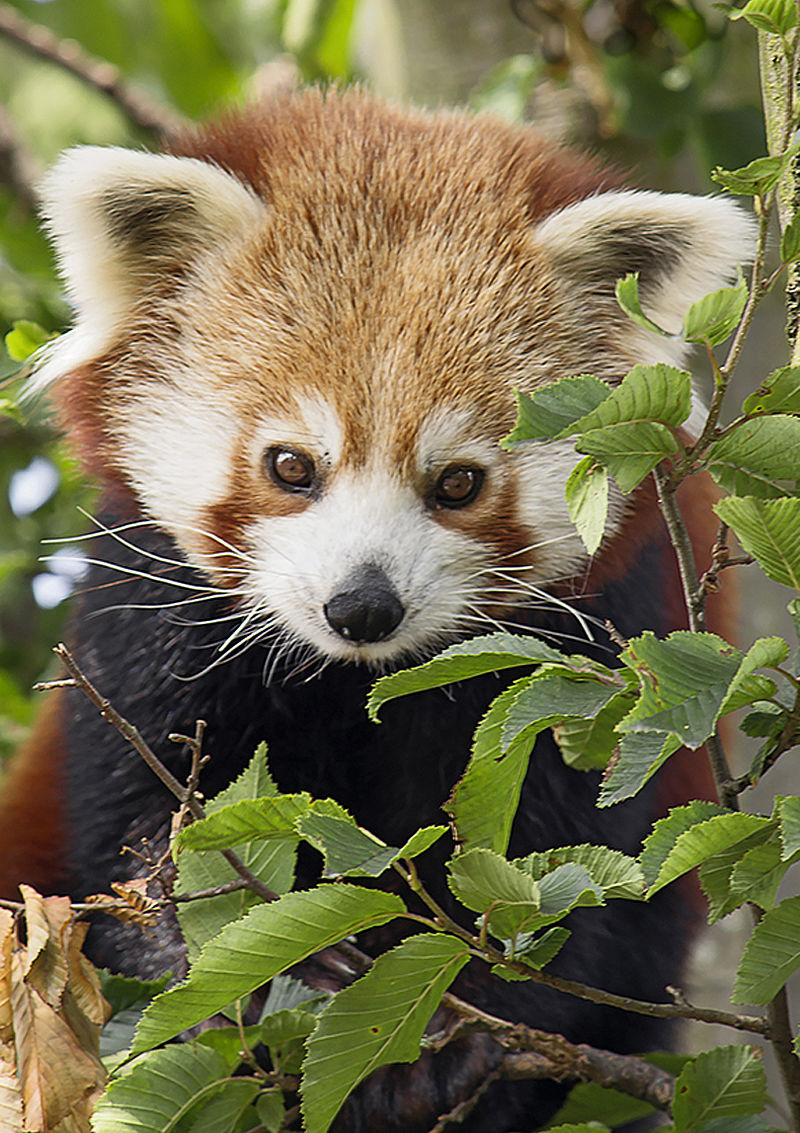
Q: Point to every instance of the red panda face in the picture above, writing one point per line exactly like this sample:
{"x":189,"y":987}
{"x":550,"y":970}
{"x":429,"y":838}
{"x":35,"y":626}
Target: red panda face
{"x":301,"y":368}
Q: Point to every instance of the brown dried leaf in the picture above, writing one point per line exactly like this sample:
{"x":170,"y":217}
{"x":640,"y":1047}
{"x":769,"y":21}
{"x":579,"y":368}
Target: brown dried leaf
{"x":11,"y":1120}
{"x":83,"y":986}
{"x":60,"y":1080}
{"x":131,"y":906}
{"x":49,"y":921}
{"x":6,"y":945}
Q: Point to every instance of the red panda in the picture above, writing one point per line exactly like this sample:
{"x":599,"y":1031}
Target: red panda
{"x":298,"y":336}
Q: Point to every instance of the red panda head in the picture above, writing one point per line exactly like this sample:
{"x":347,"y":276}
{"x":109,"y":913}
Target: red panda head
{"x":298,"y":338}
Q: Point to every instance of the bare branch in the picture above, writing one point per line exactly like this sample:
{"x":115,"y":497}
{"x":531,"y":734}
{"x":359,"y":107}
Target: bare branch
{"x":142,"y":110}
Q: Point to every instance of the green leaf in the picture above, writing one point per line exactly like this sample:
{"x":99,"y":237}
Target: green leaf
{"x":268,"y":940}
{"x":158,"y":1089}
{"x":481,"y":879}
{"x":222,"y":1113}
{"x":714,"y":317}
{"x":717,"y":834}
{"x":780,"y":393}
{"x":378,"y":1019}
{"x":584,"y":1127}
{"x":486,"y":654}
{"x":789,"y":811}
{"x":629,"y":451}
{"x":646,"y":395}
{"x":639,"y":756}
{"x":588,"y":1100}
{"x":537,"y":953}
{"x":755,"y":178}
{"x":245,"y":820}
{"x":769,"y":530}
{"x":348,"y":850}
{"x":419,"y":842}
{"x":282,"y":1026}
{"x":272,"y":861}
{"x":552,"y":410}
{"x":759,"y":458}
{"x":271,"y":1111}
{"x":627,"y":292}
{"x":485,"y":799}
{"x":723,"y":1083}
{"x":684,"y":680}
{"x":24,"y":339}
{"x":771,"y":954}
{"x":790,"y":238}
{"x":588,"y":744}
{"x":552,"y":696}
{"x":617,"y":874}
{"x":766,"y":652}
{"x":775,"y":16}
{"x":659,"y":844}
{"x":587,"y":501}
{"x":757,"y":876}
{"x":716,"y":874}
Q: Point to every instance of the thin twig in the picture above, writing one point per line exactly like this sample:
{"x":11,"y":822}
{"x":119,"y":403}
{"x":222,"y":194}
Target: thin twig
{"x":129,"y":732}
{"x":103,"y":76}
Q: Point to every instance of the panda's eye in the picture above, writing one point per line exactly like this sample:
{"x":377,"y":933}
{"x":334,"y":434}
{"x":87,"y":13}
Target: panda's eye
{"x":291,"y":470}
{"x":458,"y":486}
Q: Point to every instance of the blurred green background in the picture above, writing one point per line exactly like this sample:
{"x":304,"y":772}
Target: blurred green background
{"x":667,"y":88}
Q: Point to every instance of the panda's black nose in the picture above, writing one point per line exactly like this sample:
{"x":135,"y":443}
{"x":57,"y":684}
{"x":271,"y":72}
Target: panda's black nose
{"x":366,"y":607}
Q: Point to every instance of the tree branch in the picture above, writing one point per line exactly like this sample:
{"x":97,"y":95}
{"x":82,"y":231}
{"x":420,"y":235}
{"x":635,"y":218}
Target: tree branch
{"x":103,"y":76}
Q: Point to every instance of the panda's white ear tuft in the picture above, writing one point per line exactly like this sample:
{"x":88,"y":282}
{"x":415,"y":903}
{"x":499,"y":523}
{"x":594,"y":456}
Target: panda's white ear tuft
{"x":682,"y":247}
{"x":126,"y":224}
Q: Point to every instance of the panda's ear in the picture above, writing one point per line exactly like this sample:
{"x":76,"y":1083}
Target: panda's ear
{"x":127,"y":225}
{"x":682,"y":247}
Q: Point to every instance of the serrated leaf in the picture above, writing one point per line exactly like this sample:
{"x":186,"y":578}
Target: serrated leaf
{"x":769,"y":530}
{"x":617,"y":874}
{"x":485,"y":799}
{"x":481,"y":879}
{"x":629,"y":450}
{"x":714,"y":317}
{"x":348,"y":850}
{"x":471,"y":658}
{"x":716,"y":875}
{"x":271,"y":860}
{"x":646,"y":395}
{"x":378,"y":1019}
{"x":282,"y":1026}
{"x":759,"y":458}
{"x":244,"y":821}
{"x":757,"y":876}
{"x":588,"y":744}
{"x":684,"y":680}
{"x":780,"y":393}
{"x":705,"y":839}
{"x":639,"y":756}
{"x":587,"y":501}
{"x":548,"y":411}
{"x":222,"y":1113}
{"x":588,"y":1100}
{"x":767,"y":720}
{"x":158,"y":1090}
{"x":659,"y":844}
{"x":724,"y":1083}
{"x":268,"y":940}
{"x":771,"y":954}
{"x":544,"y":699}
{"x":627,"y":292}
{"x":775,"y":16}
{"x":537,"y":953}
{"x":422,"y":840}
{"x":766,"y":652}
{"x":789,"y":812}
{"x":271,"y":1111}
{"x":757,"y":177}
